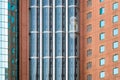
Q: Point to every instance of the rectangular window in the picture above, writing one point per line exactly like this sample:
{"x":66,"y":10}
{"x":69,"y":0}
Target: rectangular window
{"x":89,"y":77}
{"x":89,"y":65}
{"x":115,"y":32}
{"x":102,"y":36}
{"x":102,"y":49}
{"x":115,"y":57}
{"x":101,"y":0}
{"x":115,"y":71}
{"x":89,"y":52}
{"x":115,"y":44}
{"x":89,"y":15}
{"x":89,"y":27}
{"x":115,"y":18}
{"x":102,"y":74}
{"x":89,"y":3}
{"x":102,"y":10}
{"x":102,"y":23}
{"x":115,"y":6}
{"x":102,"y":61}
{"x":89,"y":40}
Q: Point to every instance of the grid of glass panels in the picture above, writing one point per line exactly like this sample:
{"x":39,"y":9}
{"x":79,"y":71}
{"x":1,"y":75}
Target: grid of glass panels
{"x":59,"y":36}
{"x":47,"y":39}
{"x":4,"y":40}
{"x":73,"y":39}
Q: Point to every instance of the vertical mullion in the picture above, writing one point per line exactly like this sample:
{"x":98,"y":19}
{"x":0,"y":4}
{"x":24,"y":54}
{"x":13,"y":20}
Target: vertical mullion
{"x":40,"y":39}
{"x":66,"y":39}
{"x":53,"y":39}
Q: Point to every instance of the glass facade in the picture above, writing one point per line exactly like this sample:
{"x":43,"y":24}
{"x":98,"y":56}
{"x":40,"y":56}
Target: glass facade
{"x":54,"y":39}
{"x":8,"y":40}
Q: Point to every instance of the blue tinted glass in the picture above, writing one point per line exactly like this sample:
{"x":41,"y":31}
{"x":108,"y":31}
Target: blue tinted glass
{"x":115,"y":58}
{"x":73,"y":2}
{"x":102,"y":49}
{"x":46,"y":44}
{"x":45,"y":69}
{"x":115,"y":19}
{"x":58,"y":2}
{"x":58,"y":69}
{"x":13,"y":7}
{"x":71,"y":44}
{"x":115,"y":32}
{"x":101,"y":0}
{"x":13,"y":50}
{"x":115,"y":71}
{"x":102,"y":36}
{"x":102,"y":74}
{"x":71,"y":69}
{"x":115,"y":6}
{"x":115,"y":45}
{"x":102,"y":10}
{"x":45,"y":19}
{"x":102,"y":23}
{"x":58,"y":44}
{"x":45,"y":2}
{"x":58,"y":19}
{"x":102,"y":62}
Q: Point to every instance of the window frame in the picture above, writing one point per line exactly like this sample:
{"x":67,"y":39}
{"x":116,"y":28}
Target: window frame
{"x":113,"y":45}
{"x":114,"y":58}
{"x":101,"y":59}
{"x":114,"y":71}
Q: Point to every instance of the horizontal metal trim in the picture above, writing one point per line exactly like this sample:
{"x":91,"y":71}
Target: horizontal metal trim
{"x":59,"y":6}
{"x":73,"y":57}
{"x":73,"y":32}
{"x":60,"y":32}
{"x":73,"y":6}
{"x":60,"y":57}
{"x":47,"y":32}
{"x":47,"y":6}
{"x":34,"y":32}
{"x":34,"y":7}
{"x":47,"y":57}
{"x":34,"y":57}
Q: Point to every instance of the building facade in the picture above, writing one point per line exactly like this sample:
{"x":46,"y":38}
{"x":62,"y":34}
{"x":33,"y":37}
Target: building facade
{"x":59,"y":40}
{"x":100,"y":40}
{"x":54,"y":40}
{"x":8,"y":40}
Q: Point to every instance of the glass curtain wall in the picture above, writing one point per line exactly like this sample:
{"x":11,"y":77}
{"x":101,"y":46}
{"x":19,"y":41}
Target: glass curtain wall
{"x":8,"y":40}
{"x":50,"y":26}
{"x":73,"y":39}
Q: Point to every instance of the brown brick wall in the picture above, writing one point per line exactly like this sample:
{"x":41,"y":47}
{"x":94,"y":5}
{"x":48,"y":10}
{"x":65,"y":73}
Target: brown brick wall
{"x":96,"y":30}
{"x":24,"y":40}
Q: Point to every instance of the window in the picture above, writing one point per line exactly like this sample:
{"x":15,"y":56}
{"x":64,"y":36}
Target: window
{"x":89,"y":77}
{"x":115,"y":32}
{"x":102,"y":74}
{"x":102,"y":10}
{"x":89,"y":65}
{"x":101,"y":0}
{"x":115,"y":71}
{"x":102,"y":36}
{"x":89,"y":40}
{"x":102,"y":23}
{"x":115,"y":5}
{"x":89,"y":15}
{"x":115,"y":44}
{"x":115,"y":18}
{"x":89,"y":52}
{"x":89,"y":3}
{"x":102,"y":49}
{"x":89,"y":27}
{"x":115,"y":57}
{"x":102,"y":61}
